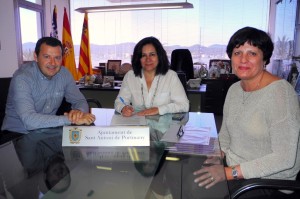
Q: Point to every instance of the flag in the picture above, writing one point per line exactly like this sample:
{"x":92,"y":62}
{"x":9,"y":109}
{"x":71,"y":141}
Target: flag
{"x":69,"y":56}
{"x":54,"y":32}
{"x":85,"y":65}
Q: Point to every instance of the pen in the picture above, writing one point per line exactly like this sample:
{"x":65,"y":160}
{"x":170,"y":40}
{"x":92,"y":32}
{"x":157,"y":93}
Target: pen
{"x":123,"y":101}
{"x":180,"y":132}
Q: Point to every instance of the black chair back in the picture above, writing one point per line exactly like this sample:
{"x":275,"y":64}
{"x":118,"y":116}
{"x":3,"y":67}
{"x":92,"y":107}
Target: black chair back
{"x":182,"y":77}
{"x":182,"y":61}
{"x":4,"y":87}
{"x":67,"y":107}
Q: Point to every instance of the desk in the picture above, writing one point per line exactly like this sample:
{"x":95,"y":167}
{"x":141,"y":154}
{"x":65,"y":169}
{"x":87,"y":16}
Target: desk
{"x":107,"y":172}
{"x":107,"y":96}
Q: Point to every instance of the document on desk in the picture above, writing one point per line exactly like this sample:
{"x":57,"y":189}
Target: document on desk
{"x":135,"y":120}
{"x":195,"y":135}
{"x":191,"y":135}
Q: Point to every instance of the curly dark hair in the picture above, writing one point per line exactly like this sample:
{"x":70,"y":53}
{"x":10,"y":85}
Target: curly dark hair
{"x":163,"y":61}
{"x":50,"y":41}
{"x":254,"y":37}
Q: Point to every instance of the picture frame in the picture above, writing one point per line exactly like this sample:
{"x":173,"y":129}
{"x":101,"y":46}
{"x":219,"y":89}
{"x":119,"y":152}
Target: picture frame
{"x":114,"y":65}
{"x":108,"y":81}
{"x":224,"y":64}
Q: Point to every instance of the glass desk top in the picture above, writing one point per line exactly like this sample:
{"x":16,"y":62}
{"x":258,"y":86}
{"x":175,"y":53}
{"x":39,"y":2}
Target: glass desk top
{"x":37,"y":166}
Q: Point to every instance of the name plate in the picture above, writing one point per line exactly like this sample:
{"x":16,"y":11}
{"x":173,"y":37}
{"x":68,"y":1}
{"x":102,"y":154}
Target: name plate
{"x":106,"y":136}
{"x":111,"y":154}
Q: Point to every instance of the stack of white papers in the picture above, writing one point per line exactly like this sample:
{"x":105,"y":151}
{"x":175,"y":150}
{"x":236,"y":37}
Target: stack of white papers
{"x":191,"y":135}
{"x":195,"y":135}
{"x":135,"y":120}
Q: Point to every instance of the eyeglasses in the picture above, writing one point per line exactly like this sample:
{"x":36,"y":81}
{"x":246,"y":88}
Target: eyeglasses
{"x":180,"y":132}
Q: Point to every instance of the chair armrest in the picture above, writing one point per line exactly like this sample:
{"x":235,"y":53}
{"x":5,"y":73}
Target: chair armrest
{"x":256,"y":183}
{"x":94,"y":101}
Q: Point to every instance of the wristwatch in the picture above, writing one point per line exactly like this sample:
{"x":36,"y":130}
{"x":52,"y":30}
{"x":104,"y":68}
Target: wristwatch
{"x":234,"y":173}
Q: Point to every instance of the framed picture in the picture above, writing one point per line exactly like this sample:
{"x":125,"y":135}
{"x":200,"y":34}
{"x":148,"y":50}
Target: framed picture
{"x":108,"y":81}
{"x":114,"y":65}
{"x":223,"y":64}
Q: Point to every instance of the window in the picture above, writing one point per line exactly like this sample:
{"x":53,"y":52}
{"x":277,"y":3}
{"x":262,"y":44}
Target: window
{"x":297,"y":38}
{"x":284,"y":37}
{"x":204,"y":30}
{"x":29,"y":27}
{"x":36,"y":1}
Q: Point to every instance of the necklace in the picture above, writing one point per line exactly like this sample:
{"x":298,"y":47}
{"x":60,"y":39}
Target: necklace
{"x":152,"y":100}
{"x":245,"y":97}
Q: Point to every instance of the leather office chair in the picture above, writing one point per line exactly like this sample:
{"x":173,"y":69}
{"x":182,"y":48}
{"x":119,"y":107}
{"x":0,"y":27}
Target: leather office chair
{"x":4,"y":84}
{"x":66,"y":106}
{"x":182,"y":61}
{"x":252,"y":184}
{"x":182,"y":78}
{"x":5,"y":136}
{"x":93,"y":103}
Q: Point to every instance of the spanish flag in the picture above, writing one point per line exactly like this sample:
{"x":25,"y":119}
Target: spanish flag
{"x":69,"y":56}
{"x":85,"y":65}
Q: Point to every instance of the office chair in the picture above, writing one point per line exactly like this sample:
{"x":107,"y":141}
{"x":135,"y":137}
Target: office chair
{"x":5,"y":136}
{"x":93,"y":103}
{"x":66,"y":106}
{"x":182,"y":78}
{"x":4,"y":83}
{"x":182,"y":61}
{"x":251,"y":184}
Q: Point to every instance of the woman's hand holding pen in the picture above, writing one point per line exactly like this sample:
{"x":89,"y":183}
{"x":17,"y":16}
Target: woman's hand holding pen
{"x":127,"y":111}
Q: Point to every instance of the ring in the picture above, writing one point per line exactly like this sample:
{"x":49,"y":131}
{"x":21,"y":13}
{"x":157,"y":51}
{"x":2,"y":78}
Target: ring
{"x":212,"y":179}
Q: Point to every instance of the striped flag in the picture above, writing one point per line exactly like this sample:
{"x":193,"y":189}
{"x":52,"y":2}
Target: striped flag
{"x":69,"y":56}
{"x":85,"y":65}
{"x":54,"y":32}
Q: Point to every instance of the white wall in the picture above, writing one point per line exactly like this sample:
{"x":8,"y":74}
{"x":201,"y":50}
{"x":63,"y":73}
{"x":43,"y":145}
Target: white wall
{"x":8,"y":49}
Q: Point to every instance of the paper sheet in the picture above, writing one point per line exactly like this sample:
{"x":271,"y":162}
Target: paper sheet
{"x":192,"y":135}
{"x":196,"y":135}
{"x":134,"y":120}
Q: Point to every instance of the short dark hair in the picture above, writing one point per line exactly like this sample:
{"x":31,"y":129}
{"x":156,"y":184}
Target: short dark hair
{"x":163,"y":61}
{"x":50,"y":41}
{"x":254,"y":37}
